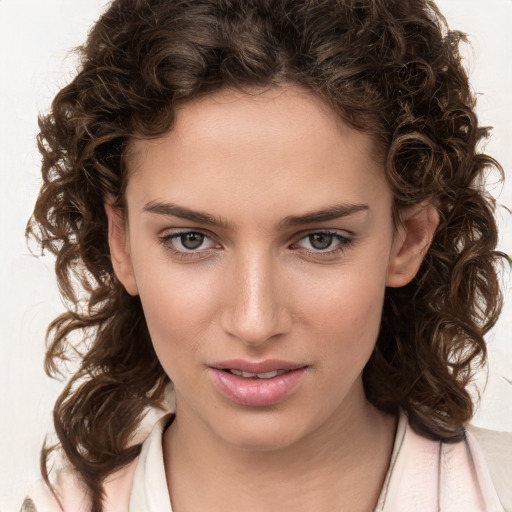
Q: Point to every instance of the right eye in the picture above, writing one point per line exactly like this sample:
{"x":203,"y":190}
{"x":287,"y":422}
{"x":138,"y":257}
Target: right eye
{"x":188,"y":243}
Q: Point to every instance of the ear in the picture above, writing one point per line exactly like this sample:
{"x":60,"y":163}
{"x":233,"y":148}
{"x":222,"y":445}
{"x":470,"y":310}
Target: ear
{"x":411,"y":242}
{"x":119,"y":249}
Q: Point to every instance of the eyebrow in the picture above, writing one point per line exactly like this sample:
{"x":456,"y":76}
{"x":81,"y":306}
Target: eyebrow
{"x":182,"y":212}
{"x":331,"y":213}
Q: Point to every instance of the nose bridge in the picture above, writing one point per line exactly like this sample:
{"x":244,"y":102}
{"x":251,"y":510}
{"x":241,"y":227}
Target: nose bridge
{"x":256,"y":312}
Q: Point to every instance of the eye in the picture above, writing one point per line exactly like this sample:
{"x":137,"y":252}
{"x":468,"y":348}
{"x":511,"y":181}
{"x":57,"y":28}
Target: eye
{"x":323,"y":242}
{"x":191,"y":241}
{"x":320,"y":241}
{"x":188,"y":242}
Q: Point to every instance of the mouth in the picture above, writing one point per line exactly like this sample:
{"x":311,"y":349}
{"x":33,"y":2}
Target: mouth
{"x":267,"y":369}
{"x":257,"y":383}
{"x":251,"y":375}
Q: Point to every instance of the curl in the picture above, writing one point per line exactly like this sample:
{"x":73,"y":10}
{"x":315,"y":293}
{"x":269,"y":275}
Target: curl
{"x":390,"y":68}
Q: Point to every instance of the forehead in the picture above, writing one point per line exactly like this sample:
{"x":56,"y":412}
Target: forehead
{"x":281,"y":110}
{"x":282,"y":143}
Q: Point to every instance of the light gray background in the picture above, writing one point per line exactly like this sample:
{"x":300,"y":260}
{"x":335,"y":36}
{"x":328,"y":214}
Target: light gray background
{"x":36,"y":37}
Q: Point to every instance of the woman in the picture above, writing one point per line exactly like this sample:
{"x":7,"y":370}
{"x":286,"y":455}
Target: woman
{"x":278,"y":207}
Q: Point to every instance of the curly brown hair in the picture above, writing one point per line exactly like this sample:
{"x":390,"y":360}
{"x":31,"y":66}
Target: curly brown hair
{"x":390,"y":68}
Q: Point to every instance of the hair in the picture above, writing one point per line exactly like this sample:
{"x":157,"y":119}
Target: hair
{"x":390,"y":68}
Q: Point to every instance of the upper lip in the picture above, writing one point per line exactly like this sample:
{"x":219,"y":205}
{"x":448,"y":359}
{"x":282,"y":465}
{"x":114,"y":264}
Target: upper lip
{"x":269,"y":365}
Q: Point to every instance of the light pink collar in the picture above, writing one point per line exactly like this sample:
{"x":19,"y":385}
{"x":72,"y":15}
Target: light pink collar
{"x":430,"y":476}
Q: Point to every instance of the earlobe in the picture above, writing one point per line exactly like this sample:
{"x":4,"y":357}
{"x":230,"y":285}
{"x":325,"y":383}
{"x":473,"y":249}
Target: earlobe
{"x":412,"y":240}
{"x":119,"y":252}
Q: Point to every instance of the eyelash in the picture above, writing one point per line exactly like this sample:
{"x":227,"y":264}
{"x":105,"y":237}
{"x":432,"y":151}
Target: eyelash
{"x":166,"y":241}
{"x":344,"y":243}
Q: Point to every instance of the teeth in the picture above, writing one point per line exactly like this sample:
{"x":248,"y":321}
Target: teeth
{"x":266,"y":375}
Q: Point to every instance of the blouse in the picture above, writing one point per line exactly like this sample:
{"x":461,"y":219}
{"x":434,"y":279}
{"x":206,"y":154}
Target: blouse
{"x":473,"y":475}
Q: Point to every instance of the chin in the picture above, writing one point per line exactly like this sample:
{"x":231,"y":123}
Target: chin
{"x":262,"y":431}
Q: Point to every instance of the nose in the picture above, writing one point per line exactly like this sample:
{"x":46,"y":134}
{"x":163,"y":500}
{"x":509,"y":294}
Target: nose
{"x":256,"y":309}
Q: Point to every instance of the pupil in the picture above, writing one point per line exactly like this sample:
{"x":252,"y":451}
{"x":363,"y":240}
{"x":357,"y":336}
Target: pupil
{"x":321,"y":240}
{"x":192,"y":240}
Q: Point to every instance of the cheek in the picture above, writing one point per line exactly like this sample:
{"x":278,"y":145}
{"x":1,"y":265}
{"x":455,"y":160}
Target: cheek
{"x":351,"y":309}
{"x":343,"y":331}
{"x":174,"y":296}
{"x":179,"y":307}
{"x":344,"y":310}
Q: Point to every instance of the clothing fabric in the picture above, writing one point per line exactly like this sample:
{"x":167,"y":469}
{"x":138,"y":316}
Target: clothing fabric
{"x":423,"y":476}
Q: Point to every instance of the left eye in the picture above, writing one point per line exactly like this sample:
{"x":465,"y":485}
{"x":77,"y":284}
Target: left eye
{"x":188,"y":241}
{"x":191,"y":240}
{"x":322,"y":241}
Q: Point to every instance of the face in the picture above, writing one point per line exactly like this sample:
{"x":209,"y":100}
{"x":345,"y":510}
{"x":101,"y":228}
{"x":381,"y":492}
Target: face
{"x":260,"y":239}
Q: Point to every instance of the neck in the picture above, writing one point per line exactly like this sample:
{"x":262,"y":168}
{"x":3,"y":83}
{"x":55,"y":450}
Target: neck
{"x":340,"y":465}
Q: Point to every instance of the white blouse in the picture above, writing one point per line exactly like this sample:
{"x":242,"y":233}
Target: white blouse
{"x":423,"y":476}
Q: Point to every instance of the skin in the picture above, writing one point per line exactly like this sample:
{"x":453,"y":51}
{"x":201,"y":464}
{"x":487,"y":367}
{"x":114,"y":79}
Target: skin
{"x":257,"y":288}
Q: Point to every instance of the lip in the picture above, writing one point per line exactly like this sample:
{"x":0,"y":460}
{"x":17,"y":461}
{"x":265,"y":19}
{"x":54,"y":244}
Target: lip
{"x":268,"y":365}
{"x":255,"y":391}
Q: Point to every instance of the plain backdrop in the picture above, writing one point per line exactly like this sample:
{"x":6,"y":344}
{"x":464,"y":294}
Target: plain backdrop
{"x":36,"y":39}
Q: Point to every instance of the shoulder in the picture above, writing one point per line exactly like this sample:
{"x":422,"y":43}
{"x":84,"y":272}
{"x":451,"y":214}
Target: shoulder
{"x":29,"y":504}
{"x":426,"y":474}
{"x":69,"y":494}
{"x":496,"y":448}
{"x":66,"y":494}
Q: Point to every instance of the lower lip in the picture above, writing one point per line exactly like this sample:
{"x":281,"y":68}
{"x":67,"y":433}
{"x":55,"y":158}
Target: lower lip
{"x":256,"y":391}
